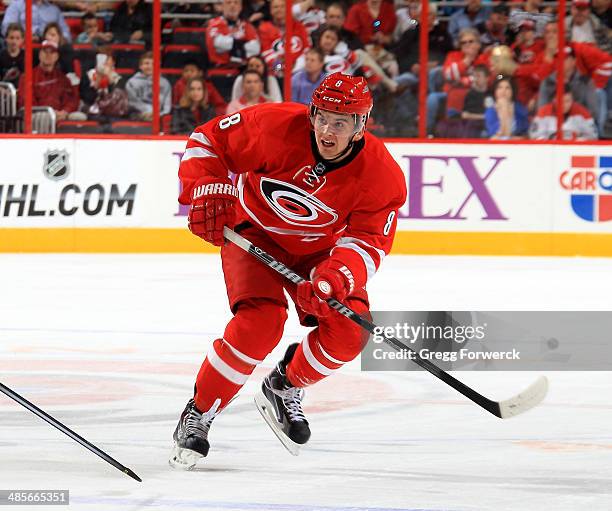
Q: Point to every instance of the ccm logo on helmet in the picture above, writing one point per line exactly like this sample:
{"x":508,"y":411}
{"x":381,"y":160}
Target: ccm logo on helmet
{"x":335,"y":100}
{"x":294,"y":205}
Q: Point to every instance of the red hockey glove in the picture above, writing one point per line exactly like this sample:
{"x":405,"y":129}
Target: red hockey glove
{"x":212,"y":208}
{"x":331,"y":279}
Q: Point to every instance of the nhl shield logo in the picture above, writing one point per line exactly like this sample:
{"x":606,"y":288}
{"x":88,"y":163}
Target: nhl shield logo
{"x":56,"y":165}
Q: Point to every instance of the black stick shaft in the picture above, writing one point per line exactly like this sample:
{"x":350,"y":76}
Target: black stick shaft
{"x":482,"y":401}
{"x":66,"y":430}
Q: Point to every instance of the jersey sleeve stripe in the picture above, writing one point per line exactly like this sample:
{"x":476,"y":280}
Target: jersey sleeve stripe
{"x":348,"y":239}
{"x":200,"y":137}
{"x":197,"y":152}
{"x":367,"y":258}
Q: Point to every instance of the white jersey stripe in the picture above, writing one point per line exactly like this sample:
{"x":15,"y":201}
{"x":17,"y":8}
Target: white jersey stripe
{"x":367,"y":258}
{"x":240,"y":355}
{"x":229,"y":373}
{"x":200,"y":137}
{"x":197,"y":152}
{"x":310,"y":358}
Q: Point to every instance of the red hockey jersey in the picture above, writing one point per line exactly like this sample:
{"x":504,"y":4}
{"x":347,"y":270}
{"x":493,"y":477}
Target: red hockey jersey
{"x":220,"y":36}
{"x":273,"y":43}
{"x":304,"y":204}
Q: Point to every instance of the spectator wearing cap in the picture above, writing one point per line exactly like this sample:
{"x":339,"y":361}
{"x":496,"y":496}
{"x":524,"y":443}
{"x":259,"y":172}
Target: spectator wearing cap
{"x":373,"y":21}
{"x":581,"y":85}
{"x":577,"y":124}
{"x":43,"y":13}
{"x":603,"y":10}
{"x":532,"y":10}
{"x":584,"y":27}
{"x":495,"y":30}
{"x":51,"y":87}
{"x":590,"y":61}
{"x":506,"y":118}
{"x":526,"y":45}
{"x":470,"y":16}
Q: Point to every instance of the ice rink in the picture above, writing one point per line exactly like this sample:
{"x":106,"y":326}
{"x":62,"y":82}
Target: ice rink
{"x":110,"y":345}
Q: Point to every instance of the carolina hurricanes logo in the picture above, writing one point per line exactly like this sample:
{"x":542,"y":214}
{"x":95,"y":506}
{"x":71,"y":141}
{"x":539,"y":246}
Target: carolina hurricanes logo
{"x":296,"y":45}
{"x":335,"y":65}
{"x":295,"y":206}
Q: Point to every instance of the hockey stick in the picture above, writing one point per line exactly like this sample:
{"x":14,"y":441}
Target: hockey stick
{"x":67,"y":431}
{"x":516,"y":405}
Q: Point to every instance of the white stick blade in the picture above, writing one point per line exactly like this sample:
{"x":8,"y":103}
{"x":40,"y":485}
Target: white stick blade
{"x":526,"y":400}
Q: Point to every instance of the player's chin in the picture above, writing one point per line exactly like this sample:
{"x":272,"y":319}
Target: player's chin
{"x":328,"y":149}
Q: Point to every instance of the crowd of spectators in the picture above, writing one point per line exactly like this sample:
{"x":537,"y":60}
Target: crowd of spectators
{"x":491,"y":65}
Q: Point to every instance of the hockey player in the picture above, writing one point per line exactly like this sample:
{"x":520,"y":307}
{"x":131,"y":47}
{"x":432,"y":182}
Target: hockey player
{"x":319,"y":193}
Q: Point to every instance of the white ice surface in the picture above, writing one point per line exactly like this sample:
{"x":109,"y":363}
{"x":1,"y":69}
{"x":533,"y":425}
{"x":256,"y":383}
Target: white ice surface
{"x":110,"y":345}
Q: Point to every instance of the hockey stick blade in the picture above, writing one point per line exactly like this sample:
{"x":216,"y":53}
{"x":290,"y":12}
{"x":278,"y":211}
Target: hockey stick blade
{"x":67,"y":431}
{"x":511,"y":407}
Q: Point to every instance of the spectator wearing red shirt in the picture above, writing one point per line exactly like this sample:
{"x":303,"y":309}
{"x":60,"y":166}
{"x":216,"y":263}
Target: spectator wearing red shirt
{"x":192,"y":70}
{"x":457,"y":70}
{"x":272,"y":34}
{"x":373,"y":21}
{"x":51,"y":87}
{"x":527,"y":45}
{"x":577,"y":124}
{"x":230,"y":40}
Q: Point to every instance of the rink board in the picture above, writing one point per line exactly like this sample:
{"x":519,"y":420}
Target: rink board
{"x":95,"y":195}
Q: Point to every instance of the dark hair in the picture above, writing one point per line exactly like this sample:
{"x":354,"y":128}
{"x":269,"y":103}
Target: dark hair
{"x":567,"y":89}
{"x":500,"y":79}
{"x":185,"y":101}
{"x":264,"y":76}
{"x":326,"y":28}
{"x":88,"y":16}
{"x":251,"y":72}
{"x":501,"y":9}
{"x":337,"y":5}
{"x":56,"y":26}
{"x":15,"y":27}
{"x":144,"y":56}
{"x":318,"y":51}
{"x":482,"y":68}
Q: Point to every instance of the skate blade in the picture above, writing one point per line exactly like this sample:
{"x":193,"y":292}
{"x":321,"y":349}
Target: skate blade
{"x":267,"y":412}
{"x":183,"y":459}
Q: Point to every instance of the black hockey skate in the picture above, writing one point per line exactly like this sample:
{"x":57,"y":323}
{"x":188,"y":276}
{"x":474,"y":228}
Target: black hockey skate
{"x":280,"y":404}
{"x":191,"y":437}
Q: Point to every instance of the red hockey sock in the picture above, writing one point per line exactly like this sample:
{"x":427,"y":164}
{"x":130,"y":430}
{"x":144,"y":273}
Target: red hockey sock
{"x":223,"y":373}
{"x":311,"y":362}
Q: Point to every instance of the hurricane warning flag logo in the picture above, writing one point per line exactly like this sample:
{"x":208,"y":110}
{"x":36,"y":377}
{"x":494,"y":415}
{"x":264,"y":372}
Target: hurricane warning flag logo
{"x":590,"y":182}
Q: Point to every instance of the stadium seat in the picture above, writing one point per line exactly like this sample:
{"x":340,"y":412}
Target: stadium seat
{"x":79,"y":127}
{"x":127,"y":55}
{"x":189,"y":35}
{"x":171,"y":74}
{"x":125,"y":72}
{"x":177,"y":55}
{"x":86,"y":54}
{"x":131,"y":127}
